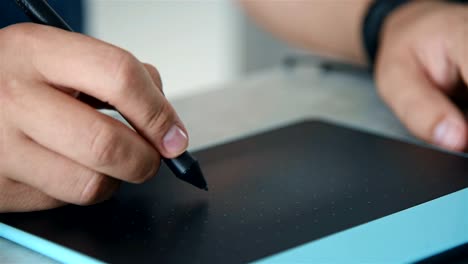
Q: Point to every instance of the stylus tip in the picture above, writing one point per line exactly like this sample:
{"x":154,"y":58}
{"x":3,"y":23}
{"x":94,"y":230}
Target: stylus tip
{"x":186,"y":168}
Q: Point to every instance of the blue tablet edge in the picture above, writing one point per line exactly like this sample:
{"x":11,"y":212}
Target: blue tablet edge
{"x":407,"y":236}
{"x":45,"y":247}
{"x":404,"y":237}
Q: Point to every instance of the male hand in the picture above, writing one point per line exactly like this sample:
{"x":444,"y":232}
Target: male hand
{"x":422,"y":64}
{"x":55,"y":149}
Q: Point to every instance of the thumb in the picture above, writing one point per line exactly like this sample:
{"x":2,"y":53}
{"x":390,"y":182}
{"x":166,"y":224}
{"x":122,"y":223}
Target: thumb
{"x":422,"y":106}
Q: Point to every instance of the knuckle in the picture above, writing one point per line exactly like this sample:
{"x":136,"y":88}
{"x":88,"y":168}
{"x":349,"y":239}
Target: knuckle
{"x":155,"y":74}
{"x":94,"y":189}
{"x":104,"y":144}
{"x":18,"y":33}
{"x":127,"y":69}
{"x":160,"y":118}
{"x":145,"y":171}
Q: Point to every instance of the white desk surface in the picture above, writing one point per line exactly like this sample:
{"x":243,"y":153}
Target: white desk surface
{"x":266,"y":100}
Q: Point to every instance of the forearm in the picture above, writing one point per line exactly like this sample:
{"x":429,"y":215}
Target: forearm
{"x":328,"y":27}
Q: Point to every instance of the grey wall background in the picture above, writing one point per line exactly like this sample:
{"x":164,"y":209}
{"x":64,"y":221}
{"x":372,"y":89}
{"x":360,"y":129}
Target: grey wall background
{"x":196,"y":45}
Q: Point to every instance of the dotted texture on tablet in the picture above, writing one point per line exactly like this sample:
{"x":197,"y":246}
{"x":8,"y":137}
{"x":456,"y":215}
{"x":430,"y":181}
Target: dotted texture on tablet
{"x":268,"y":193}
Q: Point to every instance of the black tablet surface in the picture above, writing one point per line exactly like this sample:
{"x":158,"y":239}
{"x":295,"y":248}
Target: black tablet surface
{"x":268,"y":193}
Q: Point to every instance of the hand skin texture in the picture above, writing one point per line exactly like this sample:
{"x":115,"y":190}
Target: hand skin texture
{"x":422,"y":61}
{"x":56,"y":149}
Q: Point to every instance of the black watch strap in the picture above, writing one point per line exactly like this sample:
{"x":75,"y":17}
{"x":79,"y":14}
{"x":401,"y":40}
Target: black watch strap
{"x":374,"y":20}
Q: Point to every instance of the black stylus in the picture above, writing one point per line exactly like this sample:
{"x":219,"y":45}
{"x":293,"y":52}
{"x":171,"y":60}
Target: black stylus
{"x":185,"y":167}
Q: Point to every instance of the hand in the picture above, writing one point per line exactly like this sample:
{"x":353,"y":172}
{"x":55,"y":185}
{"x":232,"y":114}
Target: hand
{"x":422,"y":63}
{"x":55,"y":149}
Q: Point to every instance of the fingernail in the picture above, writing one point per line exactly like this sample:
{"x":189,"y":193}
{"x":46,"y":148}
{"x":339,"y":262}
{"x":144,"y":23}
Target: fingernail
{"x":175,"y":141}
{"x":449,"y":134}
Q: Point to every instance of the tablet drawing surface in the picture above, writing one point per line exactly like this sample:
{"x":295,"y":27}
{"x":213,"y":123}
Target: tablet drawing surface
{"x":268,"y":193}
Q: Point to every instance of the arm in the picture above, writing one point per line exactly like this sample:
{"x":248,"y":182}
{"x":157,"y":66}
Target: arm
{"x":421,"y":63}
{"x":331,"y":28}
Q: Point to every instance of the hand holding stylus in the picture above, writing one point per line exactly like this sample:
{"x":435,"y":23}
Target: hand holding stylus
{"x":56,"y":149}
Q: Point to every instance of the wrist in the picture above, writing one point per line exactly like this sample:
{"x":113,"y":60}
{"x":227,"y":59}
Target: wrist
{"x":408,"y":13}
{"x":377,"y":19}
{"x":404,"y":17}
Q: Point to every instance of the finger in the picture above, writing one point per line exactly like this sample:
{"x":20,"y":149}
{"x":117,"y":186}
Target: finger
{"x":58,"y":176}
{"x":98,"y":104}
{"x":19,"y":197}
{"x":421,"y":106}
{"x":75,"y":130}
{"x":155,"y":76}
{"x":95,"y":103}
{"x":111,"y":75}
{"x":458,"y":55}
